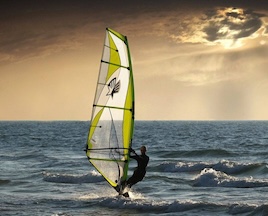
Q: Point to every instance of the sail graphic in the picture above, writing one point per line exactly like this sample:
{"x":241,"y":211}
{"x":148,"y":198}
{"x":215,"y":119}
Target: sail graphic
{"x":112,"y":120}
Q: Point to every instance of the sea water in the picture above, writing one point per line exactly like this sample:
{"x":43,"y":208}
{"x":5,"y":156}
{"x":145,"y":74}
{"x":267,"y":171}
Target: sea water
{"x":195,"y":168}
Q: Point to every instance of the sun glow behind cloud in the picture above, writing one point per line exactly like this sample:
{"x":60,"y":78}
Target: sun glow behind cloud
{"x":236,"y":25}
{"x":229,"y":27}
{"x":233,"y":37}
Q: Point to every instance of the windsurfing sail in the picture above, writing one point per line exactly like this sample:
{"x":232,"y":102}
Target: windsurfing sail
{"x":112,"y":120}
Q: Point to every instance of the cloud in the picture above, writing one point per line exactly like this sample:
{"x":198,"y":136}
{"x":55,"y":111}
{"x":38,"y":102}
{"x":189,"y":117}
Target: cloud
{"x":227,"y":26}
{"x":24,"y":42}
{"x":231,"y":23}
{"x":41,"y":29}
{"x":53,"y":27}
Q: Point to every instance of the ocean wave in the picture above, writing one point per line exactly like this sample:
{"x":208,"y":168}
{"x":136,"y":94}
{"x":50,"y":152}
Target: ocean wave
{"x":92,"y":177}
{"x":197,"y":153}
{"x":228,"y":167}
{"x":212,"y":178}
{"x":4,"y":181}
{"x":145,"y":206}
{"x":151,"y":206}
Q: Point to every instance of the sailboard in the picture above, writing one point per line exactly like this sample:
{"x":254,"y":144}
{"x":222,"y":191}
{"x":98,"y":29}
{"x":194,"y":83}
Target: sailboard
{"x":112,"y":120}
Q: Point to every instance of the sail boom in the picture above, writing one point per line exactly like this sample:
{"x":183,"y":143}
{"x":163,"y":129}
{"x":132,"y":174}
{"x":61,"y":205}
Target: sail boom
{"x":102,"y":159}
{"x":111,"y":107}
{"x":96,"y":149}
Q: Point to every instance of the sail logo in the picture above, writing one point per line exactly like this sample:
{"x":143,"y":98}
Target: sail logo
{"x":113,"y":87}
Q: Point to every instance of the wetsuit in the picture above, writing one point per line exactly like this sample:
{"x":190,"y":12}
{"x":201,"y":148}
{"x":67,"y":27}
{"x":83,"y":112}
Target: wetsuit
{"x":140,"y":170}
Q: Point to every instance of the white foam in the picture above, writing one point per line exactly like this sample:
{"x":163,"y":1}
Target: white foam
{"x":212,"y":178}
{"x":229,"y":167}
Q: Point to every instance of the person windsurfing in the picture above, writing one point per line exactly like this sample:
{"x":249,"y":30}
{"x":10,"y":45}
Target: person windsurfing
{"x":140,"y":170}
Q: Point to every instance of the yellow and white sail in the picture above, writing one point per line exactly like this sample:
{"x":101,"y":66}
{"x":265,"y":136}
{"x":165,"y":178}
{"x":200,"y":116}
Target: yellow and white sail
{"x":112,"y":120}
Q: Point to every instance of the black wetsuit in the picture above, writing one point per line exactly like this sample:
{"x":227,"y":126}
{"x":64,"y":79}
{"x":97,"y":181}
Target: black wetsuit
{"x":140,"y":170}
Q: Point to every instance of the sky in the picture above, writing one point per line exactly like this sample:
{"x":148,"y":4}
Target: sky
{"x":192,"y":59}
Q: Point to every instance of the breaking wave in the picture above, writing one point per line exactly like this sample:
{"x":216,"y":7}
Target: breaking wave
{"x":225,"y":166}
{"x":212,"y":178}
{"x":178,"y":207}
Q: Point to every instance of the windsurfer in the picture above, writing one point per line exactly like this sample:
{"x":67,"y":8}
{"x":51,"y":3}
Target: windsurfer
{"x":140,"y":170}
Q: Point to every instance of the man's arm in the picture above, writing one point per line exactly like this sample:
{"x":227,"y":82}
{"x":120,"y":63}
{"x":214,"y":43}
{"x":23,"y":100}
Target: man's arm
{"x":135,"y":156}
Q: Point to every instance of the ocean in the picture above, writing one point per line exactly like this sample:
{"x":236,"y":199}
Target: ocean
{"x":195,"y":168}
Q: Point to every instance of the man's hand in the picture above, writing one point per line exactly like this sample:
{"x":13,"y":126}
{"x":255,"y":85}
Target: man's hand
{"x":131,"y":150}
